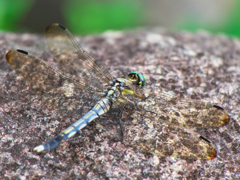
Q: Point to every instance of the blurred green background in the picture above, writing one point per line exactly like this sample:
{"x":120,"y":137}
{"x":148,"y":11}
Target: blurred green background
{"x":96,"y":16}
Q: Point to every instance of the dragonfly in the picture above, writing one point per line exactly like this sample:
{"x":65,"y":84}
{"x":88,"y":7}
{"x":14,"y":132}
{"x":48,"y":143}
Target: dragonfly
{"x":169,"y":116}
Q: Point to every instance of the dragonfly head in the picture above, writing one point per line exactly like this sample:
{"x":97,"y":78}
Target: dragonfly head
{"x":137,"y":79}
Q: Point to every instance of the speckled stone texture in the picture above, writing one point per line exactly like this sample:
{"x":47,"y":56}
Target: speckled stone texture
{"x":199,"y":65}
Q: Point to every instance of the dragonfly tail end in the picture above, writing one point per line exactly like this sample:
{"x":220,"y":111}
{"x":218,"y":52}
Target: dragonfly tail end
{"x":51,"y":144}
{"x":39,"y":148}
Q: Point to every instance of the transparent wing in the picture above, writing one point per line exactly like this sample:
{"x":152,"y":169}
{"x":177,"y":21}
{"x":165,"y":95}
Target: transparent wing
{"x":168,"y":108}
{"x":165,"y":131}
{"x":42,"y":76}
{"x":154,"y":137}
{"x":73,"y":59}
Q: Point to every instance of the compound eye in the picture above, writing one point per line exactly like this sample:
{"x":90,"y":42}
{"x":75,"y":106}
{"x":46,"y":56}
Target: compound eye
{"x":137,"y":78}
{"x":141,"y":80}
{"x":132,"y":75}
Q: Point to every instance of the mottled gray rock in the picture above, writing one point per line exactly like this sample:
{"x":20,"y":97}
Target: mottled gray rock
{"x":200,"y":66}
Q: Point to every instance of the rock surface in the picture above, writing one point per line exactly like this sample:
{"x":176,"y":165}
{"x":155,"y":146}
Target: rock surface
{"x":201,"y":65}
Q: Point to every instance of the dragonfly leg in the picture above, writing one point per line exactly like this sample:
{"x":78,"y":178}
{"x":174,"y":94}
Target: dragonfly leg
{"x":136,"y":105}
{"x":119,"y":119}
{"x":120,"y":122}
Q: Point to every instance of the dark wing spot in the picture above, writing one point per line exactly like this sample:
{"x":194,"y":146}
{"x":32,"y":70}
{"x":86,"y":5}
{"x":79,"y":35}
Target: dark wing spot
{"x":22,"y":51}
{"x":61,"y":26}
{"x":205,"y":139}
{"x":218,"y":107}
